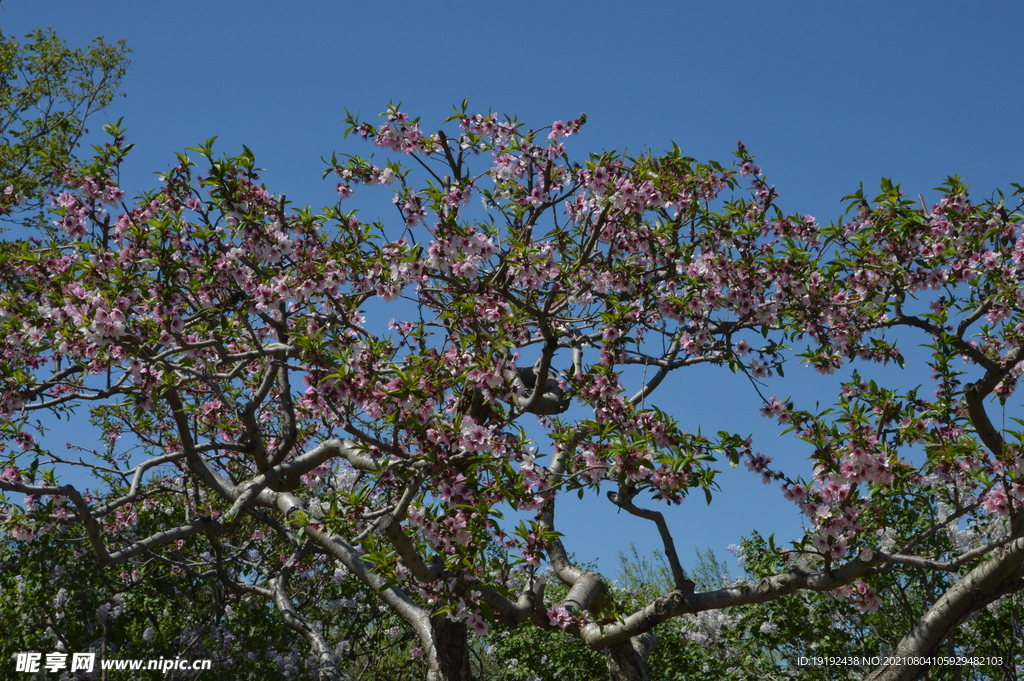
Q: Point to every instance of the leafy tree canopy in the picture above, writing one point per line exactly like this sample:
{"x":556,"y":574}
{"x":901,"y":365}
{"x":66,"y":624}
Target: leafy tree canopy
{"x":47,"y":92}
{"x":275,"y":393}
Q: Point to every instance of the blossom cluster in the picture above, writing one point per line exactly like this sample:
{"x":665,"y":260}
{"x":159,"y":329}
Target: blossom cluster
{"x":236,"y":344}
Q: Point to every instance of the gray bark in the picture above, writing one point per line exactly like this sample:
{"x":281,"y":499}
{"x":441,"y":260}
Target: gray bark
{"x":1001,"y":574}
{"x":627,"y":661}
{"x":448,"y":656}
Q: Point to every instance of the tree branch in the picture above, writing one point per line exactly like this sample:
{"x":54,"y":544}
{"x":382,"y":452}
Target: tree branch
{"x":999,"y":575}
{"x":675,"y":603}
{"x":203,"y":524}
{"x":624,"y":500}
{"x":295,"y":621}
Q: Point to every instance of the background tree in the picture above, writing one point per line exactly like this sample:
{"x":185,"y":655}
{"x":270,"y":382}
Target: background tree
{"x":47,"y":93}
{"x":231,"y":346}
{"x":57,"y":598}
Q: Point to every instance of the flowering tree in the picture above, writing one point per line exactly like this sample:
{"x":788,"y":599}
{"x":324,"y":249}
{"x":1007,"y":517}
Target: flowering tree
{"x":47,"y":92}
{"x":256,"y":419}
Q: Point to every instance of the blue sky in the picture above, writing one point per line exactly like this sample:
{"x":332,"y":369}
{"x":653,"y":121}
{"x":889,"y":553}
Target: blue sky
{"x":826,"y":95}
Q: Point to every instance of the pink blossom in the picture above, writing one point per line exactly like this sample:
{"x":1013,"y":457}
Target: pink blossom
{"x":559,"y":617}
{"x":25,"y":441}
{"x":777,"y":409}
{"x":22,"y":533}
{"x":416,"y":516}
{"x":558,"y":130}
{"x":454,"y":490}
{"x":996,"y":502}
{"x":478,"y":624}
{"x":838,"y":548}
{"x":795,"y":492}
{"x":112,"y":194}
{"x":865,"y":598}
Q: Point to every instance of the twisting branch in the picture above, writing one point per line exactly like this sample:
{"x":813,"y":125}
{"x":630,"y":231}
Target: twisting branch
{"x":944,"y":565}
{"x":665,"y":366}
{"x":957,"y":341}
{"x":676,"y":603}
{"x":547,"y":397}
{"x":391,"y":517}
{"x":977,"y":314}
{"x":624,"y":500}
{"x":975,"y":394}
{"x":136,"y":484}
{"x":287,"y":474}
{"x":936,"y":526}
{"x":294,"y":620}
{"x":253,"y":432}
{"x":101,"y":394}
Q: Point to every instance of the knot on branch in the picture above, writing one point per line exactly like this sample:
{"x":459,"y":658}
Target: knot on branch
{"x":799,"y":571}
{"x":669,"y":604}
{"x":552,"y":399}
{"x":624,"y":497}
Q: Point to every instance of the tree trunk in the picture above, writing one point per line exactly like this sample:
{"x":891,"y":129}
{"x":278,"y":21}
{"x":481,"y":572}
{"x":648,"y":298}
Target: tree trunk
{"x":448,"y":656}
{"x":627,"y":661}
{"x":1001,"y":574}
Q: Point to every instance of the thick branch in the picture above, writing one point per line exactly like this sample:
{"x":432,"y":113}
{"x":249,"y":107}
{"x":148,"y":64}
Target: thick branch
{"x":198,"y":525}
{"x":676,"y":603}
{"x":999,"y":575}
{"x":584,"y":586}
{"x":563,"y":567}
{"x":248,"y":416}
{"x":349,"y":556}
{"x":289,"y":472}
{"x":291,"y":429}
{"x":211,"y":478}
{"x":547,"y":397}
{"x":975,"y":394}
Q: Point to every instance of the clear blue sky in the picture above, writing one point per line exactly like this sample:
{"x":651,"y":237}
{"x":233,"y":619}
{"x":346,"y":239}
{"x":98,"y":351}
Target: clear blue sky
{"x":826,"y":95}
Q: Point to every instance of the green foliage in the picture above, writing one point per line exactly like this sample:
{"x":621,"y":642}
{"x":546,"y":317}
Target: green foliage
{"x":59,"y":599}
{"x":528,"y":653}
{"x":47,"y":92}
{"x":206,"y":306}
